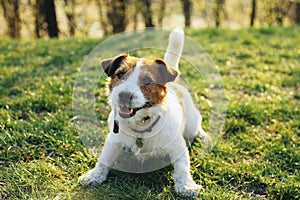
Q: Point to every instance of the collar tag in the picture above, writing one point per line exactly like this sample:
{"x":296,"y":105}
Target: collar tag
{"x":139,"y":142}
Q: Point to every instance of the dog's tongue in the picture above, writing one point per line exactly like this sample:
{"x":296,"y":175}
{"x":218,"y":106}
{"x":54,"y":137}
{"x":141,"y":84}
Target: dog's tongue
{"x":125,"y":111}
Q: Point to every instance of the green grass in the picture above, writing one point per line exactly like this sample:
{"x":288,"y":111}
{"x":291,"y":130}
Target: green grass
{"x":257,"y":157}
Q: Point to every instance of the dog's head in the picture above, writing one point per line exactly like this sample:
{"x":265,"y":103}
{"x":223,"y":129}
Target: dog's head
{"x":137,"y":83}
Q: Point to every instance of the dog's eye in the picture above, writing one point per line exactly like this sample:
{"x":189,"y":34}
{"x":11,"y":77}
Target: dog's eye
{"x":120,"y":75}
{"x":147,"y":81}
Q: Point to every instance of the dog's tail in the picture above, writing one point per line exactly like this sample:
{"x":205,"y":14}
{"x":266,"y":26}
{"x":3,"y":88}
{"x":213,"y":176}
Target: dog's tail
{"x":175,"y":47}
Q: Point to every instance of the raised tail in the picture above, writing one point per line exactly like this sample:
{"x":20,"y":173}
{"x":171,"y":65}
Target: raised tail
{"x":175,"y":47}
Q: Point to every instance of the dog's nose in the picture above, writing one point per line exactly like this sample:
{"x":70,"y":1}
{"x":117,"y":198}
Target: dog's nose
{"x":125,"y":97}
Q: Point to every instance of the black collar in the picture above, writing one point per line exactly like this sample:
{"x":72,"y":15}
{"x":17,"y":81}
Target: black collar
{"x":149,"y":129}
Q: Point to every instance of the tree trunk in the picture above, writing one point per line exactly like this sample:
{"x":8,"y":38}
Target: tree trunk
{"x":38,"y":22}
{"x":102,"y":19}
{"x":278,"y":14}
{"x":161,"y":12}
{"x":187,"y":11}
{"x":46,"y":18}
{"x":298,"y":12}
{"x":51,"y":18}
{"x":70,"y":14}
{"x":217,"y":16}
{"x":135,"y":15}
{"x":253,"y":13}
{"x":281,"y":10}
{"x":147,"y":13}
{"x":117,"y":15}
{"x":217,"y":11}
{"x":12,"y":17}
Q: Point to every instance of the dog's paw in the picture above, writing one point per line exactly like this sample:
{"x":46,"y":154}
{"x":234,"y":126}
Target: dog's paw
{"x":190,"y":189}
{"x":92,"y":177}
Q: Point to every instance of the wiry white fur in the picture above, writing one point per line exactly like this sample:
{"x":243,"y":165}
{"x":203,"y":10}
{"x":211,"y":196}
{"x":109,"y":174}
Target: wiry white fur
{"x":179,"y":122}
{"x":175,"y":47}
{"x":130,"y":85}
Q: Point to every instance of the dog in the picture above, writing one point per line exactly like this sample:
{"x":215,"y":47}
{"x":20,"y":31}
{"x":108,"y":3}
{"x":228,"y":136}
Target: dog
{"x":152,"y":115}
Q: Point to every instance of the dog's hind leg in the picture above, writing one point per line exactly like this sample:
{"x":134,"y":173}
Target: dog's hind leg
{"x":193,"y":127}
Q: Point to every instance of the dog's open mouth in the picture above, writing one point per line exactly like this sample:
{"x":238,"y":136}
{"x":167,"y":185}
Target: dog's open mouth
{"x":127,"y":112}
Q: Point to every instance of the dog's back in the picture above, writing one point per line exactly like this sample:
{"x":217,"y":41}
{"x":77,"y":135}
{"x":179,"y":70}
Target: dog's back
{"x":192,"y":116}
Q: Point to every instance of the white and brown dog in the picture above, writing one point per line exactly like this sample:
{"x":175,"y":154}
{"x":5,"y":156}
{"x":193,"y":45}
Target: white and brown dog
{"x":152,"y":115}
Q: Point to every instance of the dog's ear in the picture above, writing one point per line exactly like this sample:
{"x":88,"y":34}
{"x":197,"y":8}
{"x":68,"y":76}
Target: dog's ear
{"x":165,"y":72}
{"x":111,"y":65}
{"x":116,"y":127}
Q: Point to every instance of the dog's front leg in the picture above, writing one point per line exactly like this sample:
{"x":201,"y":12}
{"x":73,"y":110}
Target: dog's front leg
{"x":99,"y":173}
{"x":184,"y":183}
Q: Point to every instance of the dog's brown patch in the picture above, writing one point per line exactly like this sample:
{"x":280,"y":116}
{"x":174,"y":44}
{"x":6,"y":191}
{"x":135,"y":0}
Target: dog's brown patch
{"x":154,"y":93}
{"x":153,"y":77}
{"x":114,"y":66}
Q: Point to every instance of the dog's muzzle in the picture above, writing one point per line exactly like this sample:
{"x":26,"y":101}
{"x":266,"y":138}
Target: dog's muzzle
{"x":125,"y":101}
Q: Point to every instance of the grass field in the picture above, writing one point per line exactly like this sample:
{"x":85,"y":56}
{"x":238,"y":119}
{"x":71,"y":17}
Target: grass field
{"x":257,"y":157}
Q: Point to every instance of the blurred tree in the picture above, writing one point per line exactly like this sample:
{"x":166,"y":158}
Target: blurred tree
{"x":116,"y":14}
{"x":281,"y":9}
{"x":147,"y":12}
{"x":161,"y":14}
{"x":276,"y":11}
{"x":102,"y":5}
{"x":69,"y":6}
{"x":12,"y":17}
{"x":298,"y":12}
{"x":253,"y":13}
{"x":187,"y":11}
{"x":135,"y":8}
{"x":218,"y":9}
{"x":45,"y":18}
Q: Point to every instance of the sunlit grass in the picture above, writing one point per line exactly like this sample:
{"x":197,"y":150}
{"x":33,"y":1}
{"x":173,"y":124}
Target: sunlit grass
{"x":257,"y":156}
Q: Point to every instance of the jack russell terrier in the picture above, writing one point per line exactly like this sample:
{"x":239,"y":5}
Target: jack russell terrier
{"x":152,"y":115}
